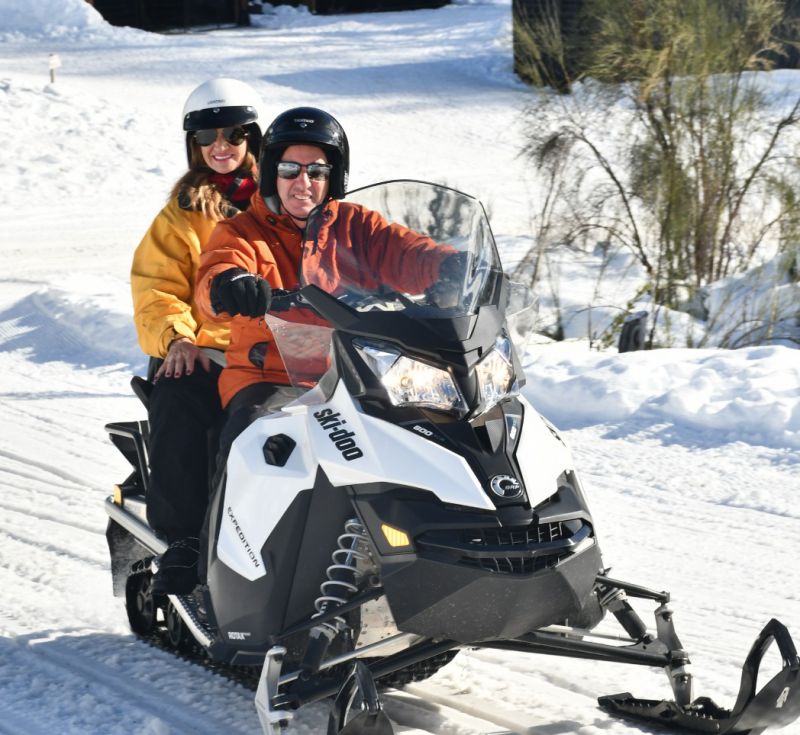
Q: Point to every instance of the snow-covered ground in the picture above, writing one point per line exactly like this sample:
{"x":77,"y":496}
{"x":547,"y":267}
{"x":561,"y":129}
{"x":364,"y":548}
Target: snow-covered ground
{"x":690,"y":457}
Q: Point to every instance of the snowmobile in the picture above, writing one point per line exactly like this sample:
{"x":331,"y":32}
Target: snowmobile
{"x":410,"y":503}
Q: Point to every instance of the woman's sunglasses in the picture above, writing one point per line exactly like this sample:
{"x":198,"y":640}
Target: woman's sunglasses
{"x":315,"y":171}
{"x":234,"y":136}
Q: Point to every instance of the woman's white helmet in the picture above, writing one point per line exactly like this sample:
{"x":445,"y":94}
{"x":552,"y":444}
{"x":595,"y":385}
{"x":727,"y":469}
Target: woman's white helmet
{"x":223,"y":103}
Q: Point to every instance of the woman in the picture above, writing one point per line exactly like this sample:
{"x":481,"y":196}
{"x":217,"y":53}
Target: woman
{"x":222,"y":143}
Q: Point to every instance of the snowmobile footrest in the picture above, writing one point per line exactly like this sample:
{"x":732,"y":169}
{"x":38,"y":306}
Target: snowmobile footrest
{"x":776,"y":705}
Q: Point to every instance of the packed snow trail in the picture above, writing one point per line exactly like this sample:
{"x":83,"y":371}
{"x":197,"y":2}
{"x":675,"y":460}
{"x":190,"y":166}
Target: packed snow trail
{"x":667,"y":516}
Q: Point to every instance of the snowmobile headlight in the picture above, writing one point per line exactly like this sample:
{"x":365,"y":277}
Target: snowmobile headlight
{"x":411,"y":382}
{"x":495,"y":373}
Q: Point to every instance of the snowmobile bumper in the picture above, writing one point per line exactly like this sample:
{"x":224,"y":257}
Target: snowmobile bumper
{"x":490,"y":605}
{"x":777,"y":704}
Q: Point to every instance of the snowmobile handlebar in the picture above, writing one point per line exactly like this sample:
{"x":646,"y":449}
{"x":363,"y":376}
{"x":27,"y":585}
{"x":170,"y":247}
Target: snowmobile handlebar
{"x":325,"y":305}
{"x":284,"y":299}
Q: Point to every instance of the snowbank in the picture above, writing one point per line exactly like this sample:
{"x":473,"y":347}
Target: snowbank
{"x":86,"y":146}
{"x":280,"y":16}
{"x":83,"y":323}
{"x":758,"y":306}
{"x":749,"y":394}
{"x":48,"y":17}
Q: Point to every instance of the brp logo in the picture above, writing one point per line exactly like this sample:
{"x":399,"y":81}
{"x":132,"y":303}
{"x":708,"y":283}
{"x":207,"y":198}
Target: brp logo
{"x":505,"y":486}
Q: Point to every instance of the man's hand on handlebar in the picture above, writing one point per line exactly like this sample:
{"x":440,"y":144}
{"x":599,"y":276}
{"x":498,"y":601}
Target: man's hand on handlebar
{"x":236,"y":291}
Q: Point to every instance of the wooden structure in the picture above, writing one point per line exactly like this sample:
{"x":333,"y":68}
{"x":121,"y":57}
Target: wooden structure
{"x":158,"y":15}
{"x":328,"y":7}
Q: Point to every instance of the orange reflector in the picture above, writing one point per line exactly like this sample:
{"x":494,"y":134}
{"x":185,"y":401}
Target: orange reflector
{"x":117,"y":495}
{"x":395,"y":536}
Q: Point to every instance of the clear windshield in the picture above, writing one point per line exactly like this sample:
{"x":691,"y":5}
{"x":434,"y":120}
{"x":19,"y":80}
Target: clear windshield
{"x":305,"y":347}
{"x":399,"y":246}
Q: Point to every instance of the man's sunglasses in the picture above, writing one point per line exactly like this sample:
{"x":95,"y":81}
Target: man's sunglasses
{"x":315,"y":171}
{"x":234,"y":136}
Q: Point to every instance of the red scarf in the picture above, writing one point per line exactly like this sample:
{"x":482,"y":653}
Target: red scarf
{"x":236,"y":187}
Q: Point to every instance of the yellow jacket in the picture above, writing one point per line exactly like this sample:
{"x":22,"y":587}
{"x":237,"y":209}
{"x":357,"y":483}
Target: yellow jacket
{"x":162,"y":283}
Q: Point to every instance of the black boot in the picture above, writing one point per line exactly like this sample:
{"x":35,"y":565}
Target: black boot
{"x":177,"y":568}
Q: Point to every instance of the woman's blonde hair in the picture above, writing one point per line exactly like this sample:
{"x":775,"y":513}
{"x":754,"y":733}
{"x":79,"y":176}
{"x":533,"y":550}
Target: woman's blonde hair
{"x":195,"y":192}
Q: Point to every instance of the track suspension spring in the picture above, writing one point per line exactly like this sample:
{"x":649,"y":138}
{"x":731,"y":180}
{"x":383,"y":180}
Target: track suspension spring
{"x":350,"y":560}
{"x":344,"y":574}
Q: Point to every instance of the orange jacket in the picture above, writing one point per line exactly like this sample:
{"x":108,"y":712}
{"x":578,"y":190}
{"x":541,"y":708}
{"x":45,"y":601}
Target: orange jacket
{"x":352,"y":243}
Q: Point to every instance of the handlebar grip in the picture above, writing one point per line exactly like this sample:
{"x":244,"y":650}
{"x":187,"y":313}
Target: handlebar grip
{"x":283,"y":300}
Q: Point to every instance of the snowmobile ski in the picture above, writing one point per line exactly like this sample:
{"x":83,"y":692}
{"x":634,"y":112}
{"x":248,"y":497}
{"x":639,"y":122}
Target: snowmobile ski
{"x":777,"y":704}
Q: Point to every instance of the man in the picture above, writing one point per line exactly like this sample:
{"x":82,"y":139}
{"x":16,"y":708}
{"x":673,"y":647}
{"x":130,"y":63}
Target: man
{"x":304,"y":167}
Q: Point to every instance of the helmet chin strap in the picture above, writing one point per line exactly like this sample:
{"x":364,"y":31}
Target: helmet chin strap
{"x":300,"y":222}
{"x":304,"y":220}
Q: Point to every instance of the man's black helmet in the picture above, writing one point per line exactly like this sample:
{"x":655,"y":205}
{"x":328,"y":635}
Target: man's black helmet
{"x":305,"y":126}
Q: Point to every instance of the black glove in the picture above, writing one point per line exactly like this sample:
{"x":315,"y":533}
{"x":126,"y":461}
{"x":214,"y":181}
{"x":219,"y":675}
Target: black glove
{"x":238,"y":292}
